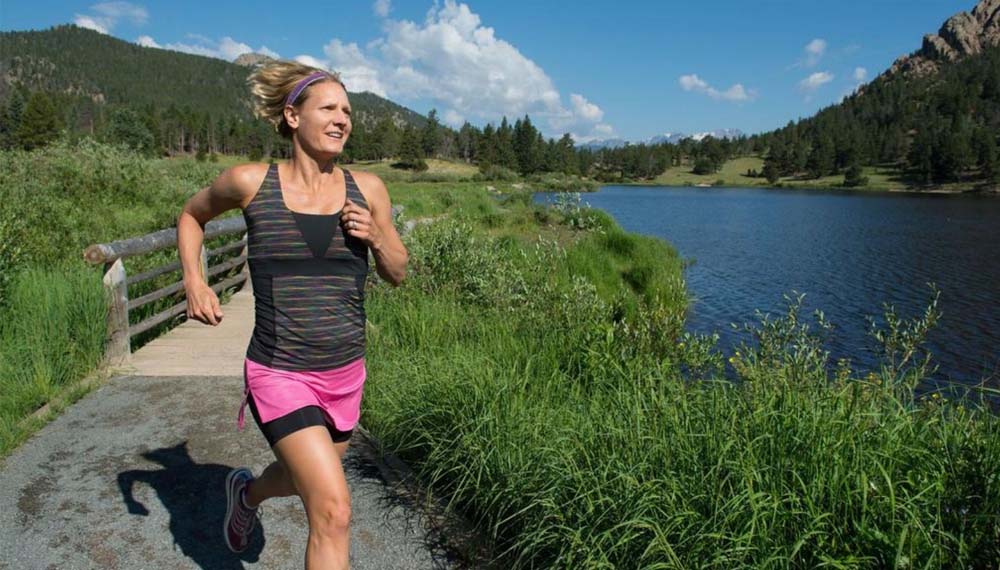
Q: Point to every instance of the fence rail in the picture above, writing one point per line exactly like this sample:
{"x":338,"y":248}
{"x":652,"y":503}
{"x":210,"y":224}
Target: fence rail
{"x":116,"y":281}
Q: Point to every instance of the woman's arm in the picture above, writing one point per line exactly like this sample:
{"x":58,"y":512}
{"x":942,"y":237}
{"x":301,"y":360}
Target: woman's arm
{"x":376,"y":229}
{"x":232,"y":189}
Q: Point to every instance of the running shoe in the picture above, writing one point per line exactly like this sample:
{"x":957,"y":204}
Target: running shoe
{"x":240,"y":520}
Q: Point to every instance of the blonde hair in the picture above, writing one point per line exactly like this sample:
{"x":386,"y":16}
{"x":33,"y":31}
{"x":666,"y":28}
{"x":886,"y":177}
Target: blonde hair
{"x":271,"y":84}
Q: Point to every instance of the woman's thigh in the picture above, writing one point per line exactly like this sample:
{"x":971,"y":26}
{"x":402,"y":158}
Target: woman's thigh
{"x":313,"y":463}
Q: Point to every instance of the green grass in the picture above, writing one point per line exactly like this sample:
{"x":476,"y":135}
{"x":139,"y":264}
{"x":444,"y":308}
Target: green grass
{"x":550,"y":394}
{"x":733,"y":174}
{"x":53,"y":338}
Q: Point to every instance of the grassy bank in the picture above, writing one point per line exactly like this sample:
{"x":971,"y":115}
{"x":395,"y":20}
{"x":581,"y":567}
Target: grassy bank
{"x":52,"y":309}
{"x":527,"y":373}
{"x":734,"y":174}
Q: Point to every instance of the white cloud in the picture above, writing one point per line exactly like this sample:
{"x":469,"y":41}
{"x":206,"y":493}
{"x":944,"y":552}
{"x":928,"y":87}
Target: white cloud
{"x":860,"y":74}
{"x":312,"y":61}
{"x":814,"y":52}
{"x":815,"y":81}
{"x":227,"y":48}
{"x":585,"y":109}
{"x":600,"y":131}
{"x":147,"y":41}
{"x":91,"y":23}
{"x":737,"y":92}
{"x":382,"y":8}
{"x":457,"y":63}
{"x":453,"y":118}
{"x":108,"y":14}
{"x":357,"y":71}
{"x":230,"y":49}
{"x":264,"y":50}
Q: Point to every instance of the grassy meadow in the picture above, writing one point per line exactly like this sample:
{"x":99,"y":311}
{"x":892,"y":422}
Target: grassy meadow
{"x":534,"y":370}
{"x":733,"y":174}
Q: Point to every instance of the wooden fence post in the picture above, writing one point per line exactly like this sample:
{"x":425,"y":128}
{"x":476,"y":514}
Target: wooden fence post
{"x":119,"y":348}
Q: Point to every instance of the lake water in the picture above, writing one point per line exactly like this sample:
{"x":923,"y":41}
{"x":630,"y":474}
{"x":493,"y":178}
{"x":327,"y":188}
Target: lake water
{"x":848,"y":252}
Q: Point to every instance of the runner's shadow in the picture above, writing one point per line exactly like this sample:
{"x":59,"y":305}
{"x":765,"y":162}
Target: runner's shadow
{"x":195,"y":497}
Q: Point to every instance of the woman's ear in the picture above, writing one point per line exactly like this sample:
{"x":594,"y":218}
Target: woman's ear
{"x":291,"y":117}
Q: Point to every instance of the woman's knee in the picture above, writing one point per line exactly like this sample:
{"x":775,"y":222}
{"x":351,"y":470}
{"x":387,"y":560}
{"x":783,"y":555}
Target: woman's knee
{"x":330,"y":515}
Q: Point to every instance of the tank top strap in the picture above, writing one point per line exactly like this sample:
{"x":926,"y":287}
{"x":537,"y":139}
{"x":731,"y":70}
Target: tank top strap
{"x":270,"y":186}
{"x":353,"y":192}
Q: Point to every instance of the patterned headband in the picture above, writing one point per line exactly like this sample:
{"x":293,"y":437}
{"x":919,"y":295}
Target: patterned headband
{"x":301,"y":85}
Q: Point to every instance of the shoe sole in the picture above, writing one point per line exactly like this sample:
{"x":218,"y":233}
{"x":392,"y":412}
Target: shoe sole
{"x":229,"y":510}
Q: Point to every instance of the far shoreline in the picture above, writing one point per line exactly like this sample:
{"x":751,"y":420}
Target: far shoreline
{"x":859,"y":189}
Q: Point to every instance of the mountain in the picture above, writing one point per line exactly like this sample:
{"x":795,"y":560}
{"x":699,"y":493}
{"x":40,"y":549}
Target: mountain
{"x":933,"y":118}
{"x":962,"y":35}
{"x":698,"y":137}
{"x":89,"y":71}
{"x":672,"y":138}
{"x":599,"y":144}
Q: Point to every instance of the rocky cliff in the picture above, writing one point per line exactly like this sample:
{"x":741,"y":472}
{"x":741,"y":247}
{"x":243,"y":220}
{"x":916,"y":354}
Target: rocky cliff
{"x":962,"y":35}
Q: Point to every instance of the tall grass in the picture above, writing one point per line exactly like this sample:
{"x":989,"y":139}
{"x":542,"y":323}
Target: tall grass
{"x":56,"y":201}
{"x":55,"y":336}
{"x":558,"y":402}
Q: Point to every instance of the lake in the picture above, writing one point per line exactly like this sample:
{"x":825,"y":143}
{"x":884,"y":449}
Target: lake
{"x":848,"y":252}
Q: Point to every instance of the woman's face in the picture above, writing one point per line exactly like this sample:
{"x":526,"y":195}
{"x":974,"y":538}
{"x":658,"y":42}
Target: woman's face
{"x":322,"y":122}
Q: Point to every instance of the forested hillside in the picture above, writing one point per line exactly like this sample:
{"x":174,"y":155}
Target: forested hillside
{"x":935,"y":115}
{"x":160,"y":100}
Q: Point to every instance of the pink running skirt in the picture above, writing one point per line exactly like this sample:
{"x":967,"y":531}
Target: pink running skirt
{"x":336,"y":391}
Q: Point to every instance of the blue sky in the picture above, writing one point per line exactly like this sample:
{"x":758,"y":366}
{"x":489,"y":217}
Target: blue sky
{"x":594,"y":69}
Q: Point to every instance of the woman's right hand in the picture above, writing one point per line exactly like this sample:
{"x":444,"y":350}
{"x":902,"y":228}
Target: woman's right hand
{"x":203,"y":304}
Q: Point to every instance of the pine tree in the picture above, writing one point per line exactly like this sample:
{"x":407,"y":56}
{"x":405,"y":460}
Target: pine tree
{"x":487,"y":153}
{"x":524,"y":141}
{"x":431,"y":134}
{"x":10,"y":119}
{"x":569,"y":160}
{"x":505,"y":146}
{"x":40,"y":123}
{"x":126,"y":127}
{"x":771,"y":170}
{"x":386,"y":138}
{"x":411,"y":150}
{"x":822,"y":158}
{"x":920,"y":159}
{"x":854,"y":175}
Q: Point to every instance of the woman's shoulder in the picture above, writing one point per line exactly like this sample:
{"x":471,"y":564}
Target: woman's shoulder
{"x":242,"y":181}
{"x":367,"y":182}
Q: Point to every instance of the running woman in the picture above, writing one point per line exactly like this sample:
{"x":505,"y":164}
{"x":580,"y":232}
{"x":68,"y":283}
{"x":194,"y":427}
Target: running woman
{"x":310,"y":227}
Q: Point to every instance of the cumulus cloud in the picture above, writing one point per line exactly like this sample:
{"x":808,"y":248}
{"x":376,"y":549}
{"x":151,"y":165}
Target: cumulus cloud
{"x":455,"y":61}
{"x":312,"y":61}
{"x":92,"y":23}
{"x":452,"y":118}
{"x":737,"y":92}
{"x":585,"y":109}
{"x":860,"y":74}
{"x":815,"y":81}
{"x":814,"y":51}
{"x":147,"y":41}
{"x":227,"y":48}
{"x":598,"y":132}
{"x":105,"y":16}
{"x":382,"y":8}
{"x":357,"y":70}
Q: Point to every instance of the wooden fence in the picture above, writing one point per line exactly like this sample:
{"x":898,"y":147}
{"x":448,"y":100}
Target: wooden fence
{"x":116,"y":282}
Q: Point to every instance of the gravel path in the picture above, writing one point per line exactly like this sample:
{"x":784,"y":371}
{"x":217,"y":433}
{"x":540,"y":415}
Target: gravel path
{"x":132,"y":477}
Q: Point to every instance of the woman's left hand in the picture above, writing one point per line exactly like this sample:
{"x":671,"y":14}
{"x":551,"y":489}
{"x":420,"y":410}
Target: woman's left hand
{"x":357,"y":222}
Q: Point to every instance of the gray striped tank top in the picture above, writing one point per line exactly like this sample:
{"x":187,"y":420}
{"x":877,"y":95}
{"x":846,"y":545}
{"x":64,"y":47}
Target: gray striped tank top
{"x":308,"y":282}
